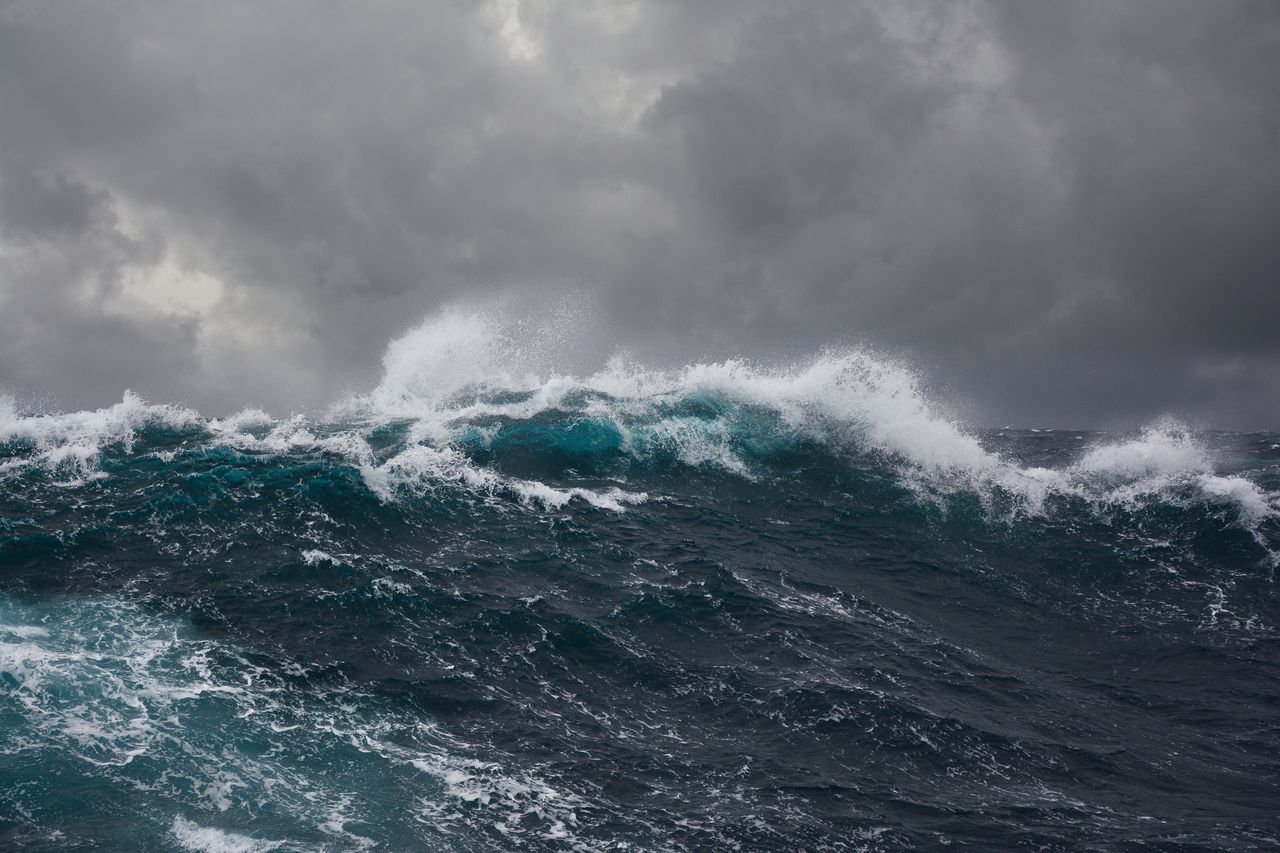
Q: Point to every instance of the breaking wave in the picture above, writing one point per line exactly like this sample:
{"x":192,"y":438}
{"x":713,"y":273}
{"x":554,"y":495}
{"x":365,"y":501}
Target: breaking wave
{"x":465,"y":385}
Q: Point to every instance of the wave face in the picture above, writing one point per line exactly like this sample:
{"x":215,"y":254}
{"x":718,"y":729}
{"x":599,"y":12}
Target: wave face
{"x":494,"y":603}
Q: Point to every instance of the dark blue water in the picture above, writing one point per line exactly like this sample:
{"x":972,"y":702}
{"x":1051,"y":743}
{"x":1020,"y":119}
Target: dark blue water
{"x":711,"y":610}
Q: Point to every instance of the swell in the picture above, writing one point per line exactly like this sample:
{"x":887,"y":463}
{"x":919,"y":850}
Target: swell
{"x":473,"y":410}
{"x":724,"y":604}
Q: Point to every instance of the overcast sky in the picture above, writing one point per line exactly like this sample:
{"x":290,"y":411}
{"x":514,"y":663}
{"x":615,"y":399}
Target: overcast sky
{"x":1063,"y":213}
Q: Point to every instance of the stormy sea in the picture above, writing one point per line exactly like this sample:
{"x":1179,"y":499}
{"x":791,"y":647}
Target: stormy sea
{"x":492,"y":605}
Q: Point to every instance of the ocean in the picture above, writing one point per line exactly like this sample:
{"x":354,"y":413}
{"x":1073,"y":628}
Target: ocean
{"x":490,"y":605}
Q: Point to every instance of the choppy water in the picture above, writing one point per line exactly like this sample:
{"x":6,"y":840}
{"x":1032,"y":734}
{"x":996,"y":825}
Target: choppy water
{"x":489,"y":606}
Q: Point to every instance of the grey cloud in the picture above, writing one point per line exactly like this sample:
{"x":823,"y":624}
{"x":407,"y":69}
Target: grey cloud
{"x":34,"y":206}
{"x":1062,"y":212}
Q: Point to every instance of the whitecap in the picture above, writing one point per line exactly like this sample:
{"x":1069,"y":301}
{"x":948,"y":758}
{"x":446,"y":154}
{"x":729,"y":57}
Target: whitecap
{"x":207,"y":839}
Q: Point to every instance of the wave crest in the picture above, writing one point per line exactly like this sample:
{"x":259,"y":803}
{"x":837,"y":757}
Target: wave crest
{"x":474,"y":379}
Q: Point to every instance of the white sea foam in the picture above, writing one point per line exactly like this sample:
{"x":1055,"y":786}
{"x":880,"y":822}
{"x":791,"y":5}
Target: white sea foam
{"x":73,"y":442}
{"x":514,"y":798}
{"x":1252,"y":502}
{"x":422,"y":469}
{"x":315,"y":557}
{"x":461,"y":369}
{"x":24,"y":630}
{"x":207,"y":839}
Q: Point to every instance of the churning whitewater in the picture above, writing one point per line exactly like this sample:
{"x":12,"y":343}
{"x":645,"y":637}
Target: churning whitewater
{"x":498,"y":603}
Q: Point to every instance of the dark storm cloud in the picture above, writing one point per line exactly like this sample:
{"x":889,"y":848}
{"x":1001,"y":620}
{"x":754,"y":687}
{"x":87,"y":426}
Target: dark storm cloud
{"x":1064,"y":211}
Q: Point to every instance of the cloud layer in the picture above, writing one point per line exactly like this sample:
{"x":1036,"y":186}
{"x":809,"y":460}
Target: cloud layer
{"x":1062,"y":212}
